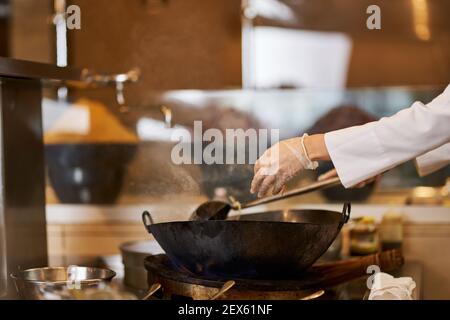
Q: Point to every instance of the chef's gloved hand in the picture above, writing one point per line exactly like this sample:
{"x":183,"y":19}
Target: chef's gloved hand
{"x":279,"y":164}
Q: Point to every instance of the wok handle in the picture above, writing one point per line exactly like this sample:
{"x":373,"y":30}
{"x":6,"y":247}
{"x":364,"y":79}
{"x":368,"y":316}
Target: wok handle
{"x":346,"y":212}
{"x":147,"y":220}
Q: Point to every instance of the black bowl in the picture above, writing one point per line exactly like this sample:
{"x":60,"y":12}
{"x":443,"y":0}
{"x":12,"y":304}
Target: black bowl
{"x":88,"y":173}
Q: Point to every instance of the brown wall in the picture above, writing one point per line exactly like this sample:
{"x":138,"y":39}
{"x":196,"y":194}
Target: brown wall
{"x":32,"y":35}
{"x":197,"y":43}
{"x":176,"y":43}
{"x":391,"y":56}
{"x":394,"y":61}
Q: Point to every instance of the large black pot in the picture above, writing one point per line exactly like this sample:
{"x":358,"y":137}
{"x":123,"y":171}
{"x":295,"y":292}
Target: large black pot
{"x":270,"y":245}
{"x":88,"y":173}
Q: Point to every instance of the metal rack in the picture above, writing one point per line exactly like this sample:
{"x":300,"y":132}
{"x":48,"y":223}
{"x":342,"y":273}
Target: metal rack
{"x":91,"y":79}
{"x":51,"y":75}
{"x":116,"y":80}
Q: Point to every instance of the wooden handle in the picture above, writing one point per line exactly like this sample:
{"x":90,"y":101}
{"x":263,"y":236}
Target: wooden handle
{"x":333,"y":273}
{"x":385,"y":260}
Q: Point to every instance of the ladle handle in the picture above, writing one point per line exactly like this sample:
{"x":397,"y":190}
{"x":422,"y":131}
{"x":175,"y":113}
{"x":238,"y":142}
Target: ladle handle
{"x":303,"y":190}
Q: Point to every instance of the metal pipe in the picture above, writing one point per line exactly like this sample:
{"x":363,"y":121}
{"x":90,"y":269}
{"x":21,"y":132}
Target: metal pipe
{"x":59,"y":20}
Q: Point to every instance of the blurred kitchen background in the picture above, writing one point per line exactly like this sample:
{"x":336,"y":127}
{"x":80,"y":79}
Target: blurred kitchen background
{"x":294,"y":65}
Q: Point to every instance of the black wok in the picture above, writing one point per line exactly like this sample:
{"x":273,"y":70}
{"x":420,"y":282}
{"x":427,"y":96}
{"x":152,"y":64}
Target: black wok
{"x":270,"y":245}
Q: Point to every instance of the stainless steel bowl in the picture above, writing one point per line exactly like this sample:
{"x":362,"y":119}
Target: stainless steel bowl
{"x":40,"y":283}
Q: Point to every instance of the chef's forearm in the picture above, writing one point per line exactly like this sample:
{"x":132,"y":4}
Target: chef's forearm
{"x":359,"y":153}
{"x":316,"y":148}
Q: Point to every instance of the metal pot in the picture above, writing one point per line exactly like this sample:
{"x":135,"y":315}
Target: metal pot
{"x":133,"y":256}
{"x":39,"y":283}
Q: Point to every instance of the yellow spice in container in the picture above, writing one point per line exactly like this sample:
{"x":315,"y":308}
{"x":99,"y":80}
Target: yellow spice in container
{"x":89,"y":121}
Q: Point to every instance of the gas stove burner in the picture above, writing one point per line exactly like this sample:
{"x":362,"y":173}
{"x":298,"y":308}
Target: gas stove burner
{"x":177,"y":283}
{"x":162,"y":266}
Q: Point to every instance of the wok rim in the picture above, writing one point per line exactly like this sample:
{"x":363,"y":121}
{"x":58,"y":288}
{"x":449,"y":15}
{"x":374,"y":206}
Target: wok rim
{"x":228,"y":220}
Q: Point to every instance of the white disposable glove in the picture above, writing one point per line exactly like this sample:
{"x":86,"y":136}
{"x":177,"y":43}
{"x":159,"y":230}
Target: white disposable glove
{"x":278,"y":165}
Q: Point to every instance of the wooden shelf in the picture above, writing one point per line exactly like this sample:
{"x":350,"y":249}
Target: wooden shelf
{"x":35,"y":70}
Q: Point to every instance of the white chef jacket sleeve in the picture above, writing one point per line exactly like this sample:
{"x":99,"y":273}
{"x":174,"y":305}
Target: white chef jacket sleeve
{"x":361,"y":152}
{"x":433,"y":160}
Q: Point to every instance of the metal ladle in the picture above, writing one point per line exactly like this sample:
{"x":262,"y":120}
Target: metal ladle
{"x":218,"y":210}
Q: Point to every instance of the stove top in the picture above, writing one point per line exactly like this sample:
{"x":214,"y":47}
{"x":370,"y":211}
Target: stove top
{"x":320,"y":280}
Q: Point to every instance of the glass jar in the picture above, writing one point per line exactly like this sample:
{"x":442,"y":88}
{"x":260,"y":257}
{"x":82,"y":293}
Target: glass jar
{"x":391,"y":230}
{"x":364,"y":238}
